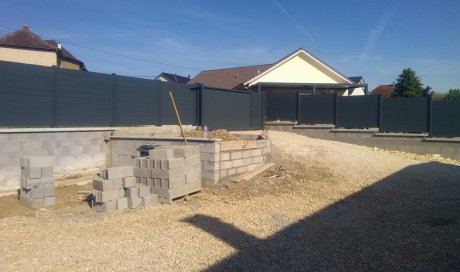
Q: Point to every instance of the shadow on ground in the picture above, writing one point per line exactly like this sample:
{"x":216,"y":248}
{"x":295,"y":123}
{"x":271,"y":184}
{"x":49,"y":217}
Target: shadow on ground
{"x":409,"y":221}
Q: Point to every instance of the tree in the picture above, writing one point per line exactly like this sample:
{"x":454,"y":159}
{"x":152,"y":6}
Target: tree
{"x":407,"y":85}
{"x":453,"y":94}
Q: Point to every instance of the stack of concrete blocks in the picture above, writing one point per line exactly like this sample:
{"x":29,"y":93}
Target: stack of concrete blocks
{"x":37,"y":183}
{"x":170,"y":171}
{"x":116,"y":189}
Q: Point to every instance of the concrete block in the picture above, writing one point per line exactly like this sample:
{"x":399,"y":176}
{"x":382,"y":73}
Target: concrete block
{"x":210,"y":148}
{"x":145,"y":180}
{"x":105,"y":207}
{"x":149,"y":200}
{"x":47,"y":172}
{"x":101,"y":184}
{"x":232,"y":171}
{"x":132,"y":192}
{"x":144,"y":163}
{"x":31,"y":173}
{"x":134,"y":203}
{"x":138,"y":180}
{"x":163,"y":173}
{"x":236,"y":155}
{"x":31,"y":202}
{"x":137,"y":163}
{"x":248,"y":161}
{"x":36,"y":192}
{"x":108,"y":195}
{"x":213,"y":157}
{"x":144,"y":191}
{"x":261,"y":143}
{"x":223,"y":173}
{"x":247,"y":153}
{"x":241,"y":169}
{"x":122,"y":203}
{"x":143,"y":172}
{"x":257,"y":152}
{"x":43,"y":161}
{"x":224,"y":156}
{"x":117,"y":183}
{"x":225,"y":165}
{"x":176,"y":182}
{"x":128,"y":182}
{"x":49,"y":200}
{"x":211,"y":166}
{"x":161,"y":153}
{"x":118,"y":172}
{"x":186,"y":150}
{"x":258,"y":159}
{"x":173,"y":163}
{"x":237,"y":163}
{"x":48,"y":191}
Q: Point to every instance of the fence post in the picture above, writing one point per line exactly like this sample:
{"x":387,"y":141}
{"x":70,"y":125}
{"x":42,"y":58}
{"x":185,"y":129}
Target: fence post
{"x":430,"y":116}
{"x":336,"y":110}
{"x":298,"y":108}
{"x":114,"y":99}
{"x":200,"y":106}
{"x":159,"y":102}
{"x":379,"y":114}
{"x":53,"y":98}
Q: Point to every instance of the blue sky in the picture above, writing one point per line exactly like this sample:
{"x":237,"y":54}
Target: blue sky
{"x":375,"y":39}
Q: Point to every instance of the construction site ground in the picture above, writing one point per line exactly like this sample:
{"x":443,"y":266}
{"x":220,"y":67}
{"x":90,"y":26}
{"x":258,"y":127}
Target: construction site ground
{"x":325,"y":206}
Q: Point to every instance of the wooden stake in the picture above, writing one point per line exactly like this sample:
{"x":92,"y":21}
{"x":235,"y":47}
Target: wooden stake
{"x":178,"y":117}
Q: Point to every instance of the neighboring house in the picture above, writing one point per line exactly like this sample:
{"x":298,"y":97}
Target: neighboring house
{"x":298,"y":71}
{"x":360,"y":90}
{"x":384,"y":90}
{"x":172,"y":78}
{"x":23,"y":46}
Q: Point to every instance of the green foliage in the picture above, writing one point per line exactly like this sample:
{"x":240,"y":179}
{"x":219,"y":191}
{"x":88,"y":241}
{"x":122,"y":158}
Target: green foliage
{"x":407,"y":85}
{"x":453,"y":94}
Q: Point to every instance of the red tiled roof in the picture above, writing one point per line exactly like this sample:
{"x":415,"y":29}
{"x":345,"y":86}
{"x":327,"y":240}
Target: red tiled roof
{"x":26,"y":39}
{"x":384,"y":90}
{"x":229,"y":78}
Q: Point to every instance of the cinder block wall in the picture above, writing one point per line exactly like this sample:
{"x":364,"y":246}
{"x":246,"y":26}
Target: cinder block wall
{"x":216,"y":163}
{"x":412,"y":143}
{"x":73,"y":149}
{"x":234,"y":162}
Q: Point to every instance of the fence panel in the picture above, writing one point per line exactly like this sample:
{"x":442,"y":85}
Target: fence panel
{"x":136,"y":101}
{"x":25,"y":95}
{"x":358,"y":111}
{"x":225,"y":109}
{"x":83,"y":98}
{"x":256,"y":111}
{"x":185,"y":98}
{"x":404,"y":115}
{"x":446,"y":119}
{"x":317,"y":109}
{"x":282,"y":106}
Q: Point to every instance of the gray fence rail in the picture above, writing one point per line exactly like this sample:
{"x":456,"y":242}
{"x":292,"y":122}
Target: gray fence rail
{"x":37,"y":96}
{"x":408,"y":115}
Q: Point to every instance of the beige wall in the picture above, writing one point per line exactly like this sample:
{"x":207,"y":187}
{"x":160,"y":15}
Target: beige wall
{"x":69,"y":65}
{"x":299,"y":69}
{"x":36,"y":57}
{"x":358,"y":91}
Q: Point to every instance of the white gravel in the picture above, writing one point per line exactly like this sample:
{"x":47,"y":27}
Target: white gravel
{"x":335,"y":207}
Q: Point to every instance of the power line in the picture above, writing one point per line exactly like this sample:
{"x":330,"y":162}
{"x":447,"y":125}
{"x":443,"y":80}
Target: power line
{"x":114,"y":53}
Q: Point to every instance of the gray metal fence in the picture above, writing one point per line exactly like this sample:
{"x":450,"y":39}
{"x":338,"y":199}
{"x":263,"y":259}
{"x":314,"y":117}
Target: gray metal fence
{"x":358,"y":111}
{"x":36,"y":96}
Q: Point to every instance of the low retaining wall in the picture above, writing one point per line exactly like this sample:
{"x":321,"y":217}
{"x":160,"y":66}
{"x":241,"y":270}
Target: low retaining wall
{"x":412,"y":143}
{"x":218,"y":159}
{"x":74,"y":148}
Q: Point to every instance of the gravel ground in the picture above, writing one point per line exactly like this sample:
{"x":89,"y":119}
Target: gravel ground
{"x":327,"y":206}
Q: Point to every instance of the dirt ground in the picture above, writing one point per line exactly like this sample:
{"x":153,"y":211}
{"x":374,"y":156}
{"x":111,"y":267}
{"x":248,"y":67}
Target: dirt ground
{"x":326,"y":206}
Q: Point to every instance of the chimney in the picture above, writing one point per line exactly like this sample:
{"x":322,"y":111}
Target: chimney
{"x":189,"y":77}
{"x":236,"y":76}
{"x":25,"y":28}
{"x":59,"y":46}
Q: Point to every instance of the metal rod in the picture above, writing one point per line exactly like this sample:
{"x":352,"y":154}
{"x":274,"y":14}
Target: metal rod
{"x":178,"y":117}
